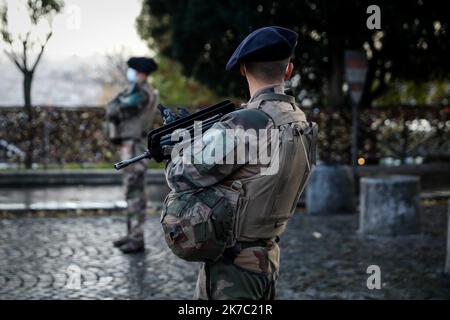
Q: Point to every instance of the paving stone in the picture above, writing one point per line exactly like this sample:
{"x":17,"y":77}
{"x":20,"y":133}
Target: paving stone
{"x":36,"y":252}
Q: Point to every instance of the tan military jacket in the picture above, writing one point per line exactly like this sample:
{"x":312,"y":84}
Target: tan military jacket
{"x":138,"y":125}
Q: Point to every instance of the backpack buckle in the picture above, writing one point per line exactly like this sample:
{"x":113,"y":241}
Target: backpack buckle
{"x":236,"y":185}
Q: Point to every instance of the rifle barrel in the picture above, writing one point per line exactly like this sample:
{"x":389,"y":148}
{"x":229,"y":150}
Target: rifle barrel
{"x":126,"y":163}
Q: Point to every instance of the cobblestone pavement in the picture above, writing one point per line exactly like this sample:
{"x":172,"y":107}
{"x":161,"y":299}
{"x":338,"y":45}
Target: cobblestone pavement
{"x":322,"y":257}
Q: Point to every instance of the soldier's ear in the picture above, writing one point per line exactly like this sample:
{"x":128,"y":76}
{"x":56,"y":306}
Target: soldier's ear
{"x":242,"y":69}
{"x":288,"y":72}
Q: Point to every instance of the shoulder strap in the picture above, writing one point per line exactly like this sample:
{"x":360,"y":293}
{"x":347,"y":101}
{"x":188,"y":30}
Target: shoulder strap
{"x":275,"y":96}
{"x":279,"y":117}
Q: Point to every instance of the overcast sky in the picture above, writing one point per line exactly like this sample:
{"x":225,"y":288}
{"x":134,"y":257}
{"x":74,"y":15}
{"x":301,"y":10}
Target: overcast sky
{"x":82,"y":34}
{"x":90,"y":27}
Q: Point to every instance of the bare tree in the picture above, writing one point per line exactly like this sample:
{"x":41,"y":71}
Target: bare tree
{"x":117,"y":66}
{"x":21,"y":47}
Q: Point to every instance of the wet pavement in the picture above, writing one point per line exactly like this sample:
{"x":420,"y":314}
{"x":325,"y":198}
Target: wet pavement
{"x":63,"y":198}
{"x":97,"y":198}
{"x":322,"y":257}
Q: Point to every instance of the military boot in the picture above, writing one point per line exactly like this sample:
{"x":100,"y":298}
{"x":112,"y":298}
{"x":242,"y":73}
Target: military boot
{"x":121,"y":241}
{"x":133,"y":245}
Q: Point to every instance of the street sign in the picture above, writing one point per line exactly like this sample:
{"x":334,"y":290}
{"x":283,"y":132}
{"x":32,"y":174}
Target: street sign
{"x":355,"y":73}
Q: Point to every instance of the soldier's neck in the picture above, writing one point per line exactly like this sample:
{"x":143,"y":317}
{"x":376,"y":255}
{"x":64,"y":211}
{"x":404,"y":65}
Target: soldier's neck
{"x":255,"y":86}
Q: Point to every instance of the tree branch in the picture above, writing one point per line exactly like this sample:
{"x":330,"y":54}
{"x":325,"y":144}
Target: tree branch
{"x":368,"y":94}
{"x":25,"y":48}
{"x":381,"y":86}
{"x":14,"y":59}
{"x":41,"y":52}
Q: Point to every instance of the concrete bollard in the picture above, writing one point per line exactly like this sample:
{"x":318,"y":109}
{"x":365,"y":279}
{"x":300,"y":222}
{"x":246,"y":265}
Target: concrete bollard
{"x":330,"y":190}
{"x":447,"y":263}
{"x":389,"y":205}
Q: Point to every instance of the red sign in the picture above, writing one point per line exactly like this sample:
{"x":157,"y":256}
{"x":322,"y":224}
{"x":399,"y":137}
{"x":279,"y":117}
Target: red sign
{"x":355,"y":73}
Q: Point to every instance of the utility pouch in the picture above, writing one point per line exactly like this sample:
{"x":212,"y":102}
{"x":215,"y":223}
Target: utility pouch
{"x":198,"y":223}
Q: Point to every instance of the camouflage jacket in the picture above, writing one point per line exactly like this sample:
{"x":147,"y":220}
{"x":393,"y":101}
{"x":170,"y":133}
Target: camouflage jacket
{"x":183,"y":176}
{"x":132,"y":111}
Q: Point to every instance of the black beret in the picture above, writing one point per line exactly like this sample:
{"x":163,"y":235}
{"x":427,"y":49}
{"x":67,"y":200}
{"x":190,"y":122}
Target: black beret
{"x":142,"y":64}
{"x":265,"y":44}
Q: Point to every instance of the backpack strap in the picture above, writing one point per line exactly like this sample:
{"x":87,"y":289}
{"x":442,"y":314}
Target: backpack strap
{"x":279,"y":117}
{"x":276,"y":96}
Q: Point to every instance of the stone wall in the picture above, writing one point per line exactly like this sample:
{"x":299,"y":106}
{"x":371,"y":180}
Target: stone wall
{"x":75,"y":135}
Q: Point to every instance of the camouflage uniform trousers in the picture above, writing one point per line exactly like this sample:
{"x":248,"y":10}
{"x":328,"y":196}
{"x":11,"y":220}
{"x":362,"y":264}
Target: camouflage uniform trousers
{"x":134,"y":184}
{"x":252,"y":275}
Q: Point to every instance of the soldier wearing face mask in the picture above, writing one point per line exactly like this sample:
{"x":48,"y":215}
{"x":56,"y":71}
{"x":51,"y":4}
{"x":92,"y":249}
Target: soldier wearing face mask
{"x":129,"y":118}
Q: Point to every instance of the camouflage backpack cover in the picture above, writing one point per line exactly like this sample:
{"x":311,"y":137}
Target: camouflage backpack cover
{"x":198,"y":224}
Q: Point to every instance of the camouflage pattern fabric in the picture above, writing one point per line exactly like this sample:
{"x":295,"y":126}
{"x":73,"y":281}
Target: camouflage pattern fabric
{"x":254,"y":272}
{"x":131,"y":113}
{"x":139,"y":108}
{"x":252,"y":276}
{"x":134,"y":185}
{"x":184,"y":176}
{"x":197,"y":224}
{"x":130,"y":116}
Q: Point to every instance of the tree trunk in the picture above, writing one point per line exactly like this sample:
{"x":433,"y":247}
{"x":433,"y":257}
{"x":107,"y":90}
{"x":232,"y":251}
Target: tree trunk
{"x":336,"y":79}
{"x":335,"y":94}
{"x":27,"y":80}
{"x":405,"y":139}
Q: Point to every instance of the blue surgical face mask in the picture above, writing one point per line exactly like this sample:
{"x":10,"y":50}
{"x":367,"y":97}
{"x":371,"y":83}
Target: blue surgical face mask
{"x":132,"y":75}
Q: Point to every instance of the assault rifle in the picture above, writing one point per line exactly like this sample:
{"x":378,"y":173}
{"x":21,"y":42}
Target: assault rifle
{"x":160,"y":138}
